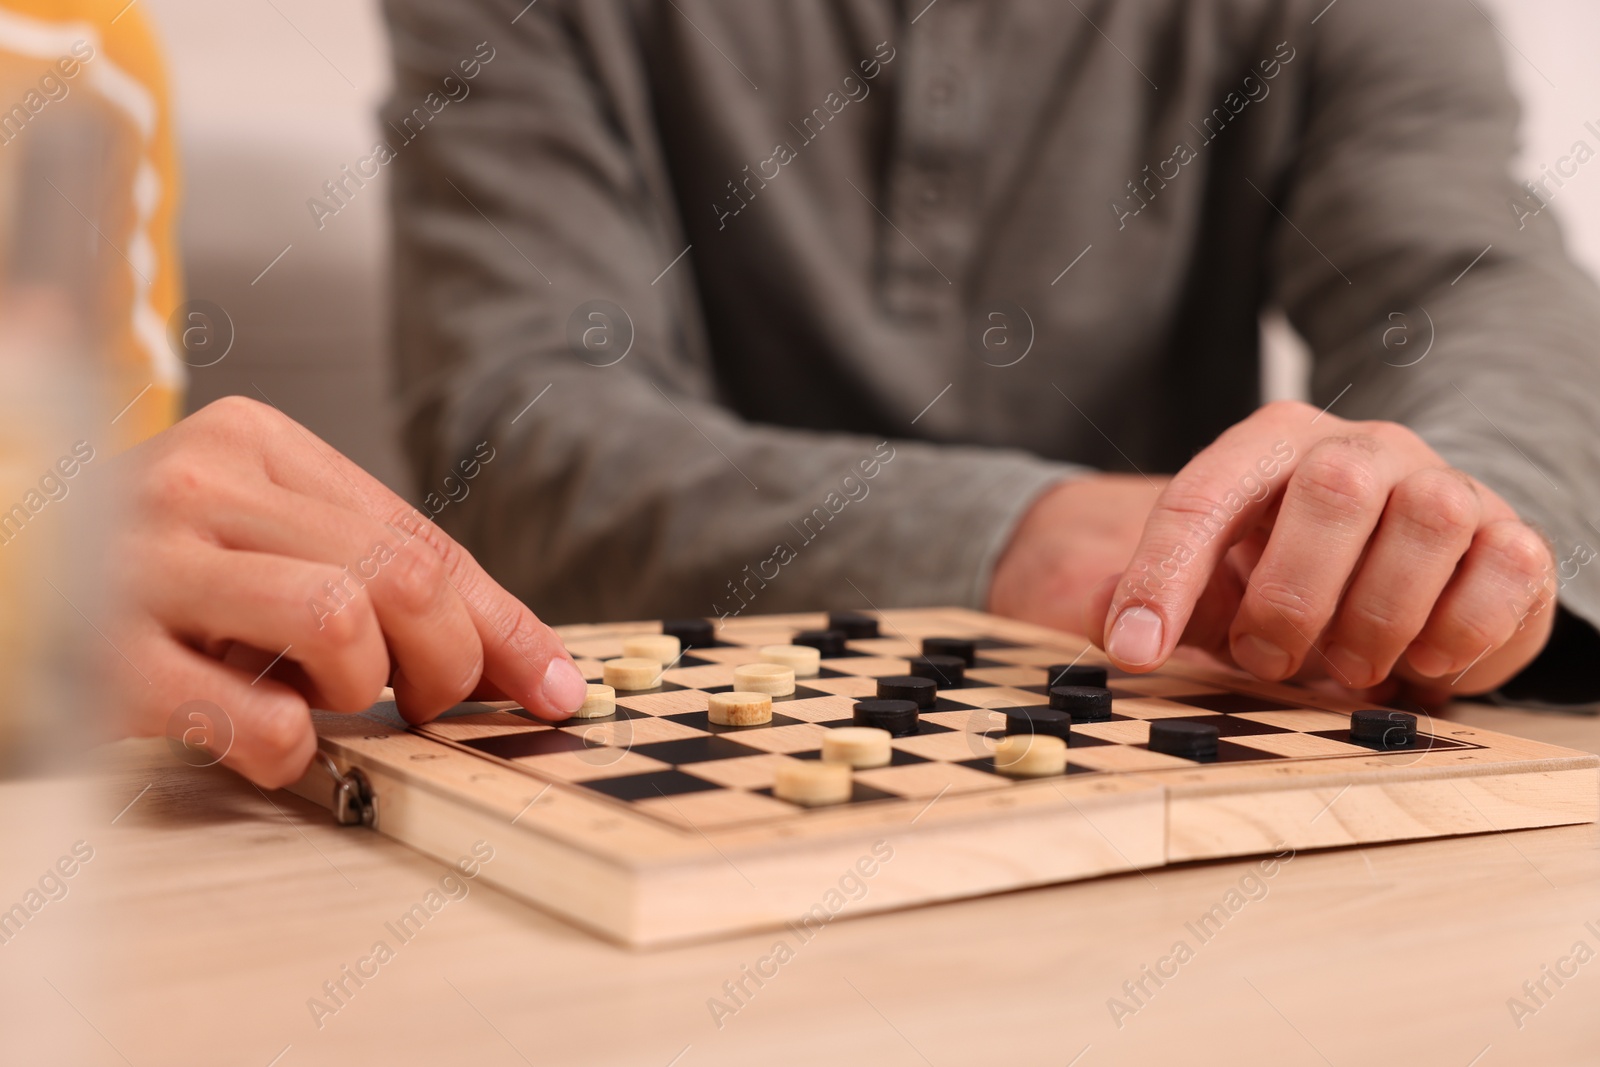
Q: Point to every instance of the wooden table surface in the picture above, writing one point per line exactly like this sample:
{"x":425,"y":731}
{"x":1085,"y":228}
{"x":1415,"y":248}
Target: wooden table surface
{"x":210,"y":914}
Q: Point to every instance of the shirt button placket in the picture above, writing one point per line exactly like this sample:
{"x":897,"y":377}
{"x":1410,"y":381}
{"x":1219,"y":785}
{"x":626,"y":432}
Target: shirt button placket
{"x":930,"y":168}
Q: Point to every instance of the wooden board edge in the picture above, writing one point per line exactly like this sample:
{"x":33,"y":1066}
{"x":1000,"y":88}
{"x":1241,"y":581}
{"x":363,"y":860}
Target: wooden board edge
{"x":558,"y":878}
{"x":1357,"y":770}
{"x":1210,"y":826}
{"x":719,"y":895}
{"x":783,"y":890}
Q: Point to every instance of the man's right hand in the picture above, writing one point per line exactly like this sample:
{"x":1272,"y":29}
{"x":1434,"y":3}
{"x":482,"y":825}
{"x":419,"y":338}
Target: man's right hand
{"x":1075,"y":534}
{"x":260,"y":570}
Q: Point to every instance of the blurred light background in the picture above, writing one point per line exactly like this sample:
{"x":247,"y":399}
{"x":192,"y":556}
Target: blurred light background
{"x":273,"y":96}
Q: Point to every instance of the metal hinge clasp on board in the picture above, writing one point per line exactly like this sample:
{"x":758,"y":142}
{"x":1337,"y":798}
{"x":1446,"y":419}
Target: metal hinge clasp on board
{"x":355,"y":803}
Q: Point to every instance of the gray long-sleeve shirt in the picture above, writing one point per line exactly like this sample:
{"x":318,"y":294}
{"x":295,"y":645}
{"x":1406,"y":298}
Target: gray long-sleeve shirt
{"x":726,"y":249}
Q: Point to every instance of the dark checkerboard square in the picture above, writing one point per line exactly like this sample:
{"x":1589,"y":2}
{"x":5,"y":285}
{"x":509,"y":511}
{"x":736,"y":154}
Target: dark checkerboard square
{"x":896,"y":757}
{"x":1116,"y":693}
{"x":1074,"y":739}
{"x":967,"y":683}
{"x":649,"y":785}
{"x":664,"y":687}
{"x":1227,"y":726}
{"x":859,"y":794}
{"x":541,"y":742}
{"x":621,"y":713}
{"x":696,"y":750}
{"x":986,"y":764}
{"x":943,"y":703}
{"x":701,"y":720}
{"x":1423,"y":743}
{"x":923,"y":725}
{"x":1228,"y":752}
{"x":471,"y":707}
{"x":800,"y":692}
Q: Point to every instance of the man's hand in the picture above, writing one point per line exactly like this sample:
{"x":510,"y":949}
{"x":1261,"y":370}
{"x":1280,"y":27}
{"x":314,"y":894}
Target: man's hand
{"x":263,"y":572}
{"x":1073,"y":536}
{"x":1302,"y":543}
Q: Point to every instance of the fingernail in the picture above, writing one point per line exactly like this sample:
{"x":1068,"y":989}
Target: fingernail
{"x":1349,"y":668}
{"x":1135,"y":637}
{"x":1428,"y":660}
{"x":1260,"y":657}
{"x":564,"y":688}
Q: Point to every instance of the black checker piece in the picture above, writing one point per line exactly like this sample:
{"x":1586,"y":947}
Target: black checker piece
{"x":692,"y":633}
{"x":947,"y":672}
{"x":853,"y":624}
{"x":831,"y":643}
{"x":1382,"y":728}
{"x":1227,"y":726}
{"x":923,"y":726}
{"x":920,"y":691}
{"x":963,"y":648}
{"x":1076,"y":674}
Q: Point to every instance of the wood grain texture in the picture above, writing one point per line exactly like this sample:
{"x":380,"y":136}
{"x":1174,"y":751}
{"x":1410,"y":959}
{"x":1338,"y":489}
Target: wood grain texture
{"x":670,"y":869}
{"x":212,"y":913}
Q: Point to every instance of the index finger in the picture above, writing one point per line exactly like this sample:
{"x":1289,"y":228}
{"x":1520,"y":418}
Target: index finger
{"x":1206,"y":508}
{"x":522,"y":657}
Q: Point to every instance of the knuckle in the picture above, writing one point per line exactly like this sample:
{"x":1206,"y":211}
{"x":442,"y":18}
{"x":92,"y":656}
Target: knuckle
{"x":415,"y":577}
{"x":281,"y":744}
{"x":176,"y":483}
{"x":1438,"y":502}
{"x":1183,"y":499}
{"x":453,"y":691}
{"x":1376,"y":620}
{"x":1288,"y":602}
{"x":1517,"y":548}
{"x":341,"y":628}
{"x":519,"y":629}
{"x":235,"y":408}
{"x":1338,"y":479}
{"x":516,"y":629}
{"x":1286,"y":410}
{"x":1385,"y":432}
{"x":1469,"y":633}
{"x":428,"y":537}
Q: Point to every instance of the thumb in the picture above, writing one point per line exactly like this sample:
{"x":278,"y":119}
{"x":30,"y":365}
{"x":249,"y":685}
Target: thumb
{"x":1092,"y":622}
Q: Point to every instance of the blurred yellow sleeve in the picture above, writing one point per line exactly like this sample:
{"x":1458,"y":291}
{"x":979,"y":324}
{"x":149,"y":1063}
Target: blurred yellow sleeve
{"x":61,"y":60}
